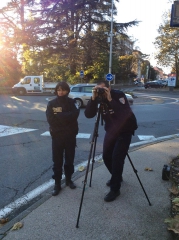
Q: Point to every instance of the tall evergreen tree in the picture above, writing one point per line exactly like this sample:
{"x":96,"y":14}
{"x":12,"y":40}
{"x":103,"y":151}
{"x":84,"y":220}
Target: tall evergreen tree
{"x":59,"y":34}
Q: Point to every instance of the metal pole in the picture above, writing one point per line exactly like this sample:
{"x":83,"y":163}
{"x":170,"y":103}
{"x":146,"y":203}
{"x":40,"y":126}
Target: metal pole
{"x":111,"y":39}
{"x":147,"y":72}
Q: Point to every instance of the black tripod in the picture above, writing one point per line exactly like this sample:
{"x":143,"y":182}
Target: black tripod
{"x":101,"y":109}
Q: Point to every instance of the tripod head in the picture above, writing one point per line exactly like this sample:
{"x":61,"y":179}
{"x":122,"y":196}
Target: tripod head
{"x":104,"y":108}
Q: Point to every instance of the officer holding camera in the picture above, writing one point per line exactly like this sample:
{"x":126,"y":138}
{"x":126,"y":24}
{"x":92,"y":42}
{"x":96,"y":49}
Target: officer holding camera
{"x":120,"y":124}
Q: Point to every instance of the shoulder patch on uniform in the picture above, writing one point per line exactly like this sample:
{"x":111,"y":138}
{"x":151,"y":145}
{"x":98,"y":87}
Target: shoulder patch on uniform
{"x":122,"y":100}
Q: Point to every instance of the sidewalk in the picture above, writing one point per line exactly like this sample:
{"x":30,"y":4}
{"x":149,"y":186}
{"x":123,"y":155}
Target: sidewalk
{"x":129,"y":217}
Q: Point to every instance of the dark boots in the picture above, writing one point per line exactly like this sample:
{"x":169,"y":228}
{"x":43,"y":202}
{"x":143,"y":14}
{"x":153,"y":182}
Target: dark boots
{"x":57,"y":188}
{"x":70,"y":183}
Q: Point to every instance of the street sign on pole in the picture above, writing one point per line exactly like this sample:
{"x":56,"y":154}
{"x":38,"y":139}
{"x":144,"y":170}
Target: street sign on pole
{"x":81,"y":73}
{"x":172,"y":81}
{"x":109,"y":77}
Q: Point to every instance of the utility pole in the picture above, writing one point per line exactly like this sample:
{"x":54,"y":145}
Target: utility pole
{"x":147,"y":72}
{"x":109,"y":76}
{"x":111,"y":39}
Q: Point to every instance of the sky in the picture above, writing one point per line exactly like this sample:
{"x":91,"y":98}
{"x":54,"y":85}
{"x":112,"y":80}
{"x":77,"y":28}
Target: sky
{"x":149,"y":12}
{"x":3,"y":3}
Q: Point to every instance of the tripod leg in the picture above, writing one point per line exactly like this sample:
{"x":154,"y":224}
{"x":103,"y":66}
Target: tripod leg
{"x":92,"y":149}
{"x":93,"y":161}
{"x":139,"y":179}
{"x":85,"y":181}
{"x":95,"y":141}
{"x":78,"y":218}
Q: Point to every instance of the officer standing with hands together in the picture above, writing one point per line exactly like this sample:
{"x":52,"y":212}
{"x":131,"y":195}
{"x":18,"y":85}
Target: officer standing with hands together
{"x":62,"y":115}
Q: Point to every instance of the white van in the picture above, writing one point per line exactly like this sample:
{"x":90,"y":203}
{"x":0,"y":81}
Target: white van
{"x":33,"y":84}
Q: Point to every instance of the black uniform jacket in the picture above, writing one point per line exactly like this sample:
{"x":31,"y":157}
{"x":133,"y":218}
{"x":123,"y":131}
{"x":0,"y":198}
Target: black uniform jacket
{"x":62,"y":115}
{"x":121,"y":120}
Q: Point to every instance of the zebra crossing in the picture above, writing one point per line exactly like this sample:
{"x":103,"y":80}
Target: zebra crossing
{"x":80,"y":135}
{"x":11,"y":130}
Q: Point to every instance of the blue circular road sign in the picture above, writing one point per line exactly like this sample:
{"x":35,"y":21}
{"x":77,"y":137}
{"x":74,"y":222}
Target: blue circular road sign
{"x":109,"y":77}
{"x":81,"y":73}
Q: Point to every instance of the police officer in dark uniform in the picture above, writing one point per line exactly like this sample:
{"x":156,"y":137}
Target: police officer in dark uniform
{"x":62,"y":115}
{"x":120,"y":124}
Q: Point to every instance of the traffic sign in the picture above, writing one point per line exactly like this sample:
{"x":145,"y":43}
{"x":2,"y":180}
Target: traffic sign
{"x":172,"y":81}
{"x":109,"y":77}
{"x":174,"y":22}
{"x":81,"y":73}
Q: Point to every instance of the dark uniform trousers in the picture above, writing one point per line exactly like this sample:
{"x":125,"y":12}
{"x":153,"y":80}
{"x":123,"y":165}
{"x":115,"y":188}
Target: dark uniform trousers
{"x":114,"y":153}
{"x":63,"y":151}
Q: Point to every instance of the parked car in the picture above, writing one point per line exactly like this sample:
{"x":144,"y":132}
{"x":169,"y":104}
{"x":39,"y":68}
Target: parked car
{"x":129,"y":98}
{"x":153,"y":84}
{"x":138,"y":83}
{"x":83,"y":92}
{"x":164,"y":83}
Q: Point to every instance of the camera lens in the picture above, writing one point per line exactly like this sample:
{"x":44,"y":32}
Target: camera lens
{"x":100,"y":90}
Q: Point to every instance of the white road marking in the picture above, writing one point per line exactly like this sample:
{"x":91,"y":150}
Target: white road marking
{"x":46,"y":134}
{"x":37,"y":191}
{"x":148,"y":96}
{"x":20,"y":100}
{"x":8,"y":130}
{"x":146,"y":137}
{"x":159,"y":139}
{"x":83,"y":135}
{"x":79,"y":135}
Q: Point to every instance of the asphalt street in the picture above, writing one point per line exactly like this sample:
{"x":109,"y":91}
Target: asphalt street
{"x":36,"y":151}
